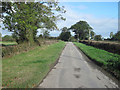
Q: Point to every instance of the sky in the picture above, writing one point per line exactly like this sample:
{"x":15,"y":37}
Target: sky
{"x":101,"y":16}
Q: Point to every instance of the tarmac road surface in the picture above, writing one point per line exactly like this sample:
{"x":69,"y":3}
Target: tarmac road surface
{"x":74,"y":70}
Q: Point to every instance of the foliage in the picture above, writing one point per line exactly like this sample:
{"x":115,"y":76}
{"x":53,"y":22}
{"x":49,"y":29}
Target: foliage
{"x":46,"y":34}
{"x":111,"y":34}
{"x":116,"y":37}
{"x":103,"y":58}
{"x":82,"y":30}
{"x":92,"y":35}
{"x":27,"y":70}
{"x":65,"y":34}
{"x":98,"y":37}
{"x":0,"y":37}
{"x":73,"y":39}
{"x":113,"y":47}
{"x":25,"y":18}
{"x":8,"y":38}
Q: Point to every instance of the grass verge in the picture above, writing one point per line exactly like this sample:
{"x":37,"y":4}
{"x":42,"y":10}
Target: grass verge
{"x":27,"y":69}
{"x":107,"y":60}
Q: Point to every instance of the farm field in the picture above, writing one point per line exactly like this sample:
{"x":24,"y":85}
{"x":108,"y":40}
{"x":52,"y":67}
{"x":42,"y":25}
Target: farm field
{"x":107,"y":60}
{"x":28,"y":69}
{"x":7,"y":43}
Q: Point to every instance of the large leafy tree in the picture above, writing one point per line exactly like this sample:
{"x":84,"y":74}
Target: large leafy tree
{"x":24,"y":18}
{"x":65,"y":34}
{"x":82,"y":30}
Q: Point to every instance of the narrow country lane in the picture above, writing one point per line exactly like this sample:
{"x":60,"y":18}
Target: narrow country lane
{"x":74,"y":71}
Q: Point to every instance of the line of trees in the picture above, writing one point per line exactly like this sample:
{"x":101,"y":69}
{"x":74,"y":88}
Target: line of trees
{"x":83,"y":31}
{"x":25,"y":18}
{"x":115,"y":37}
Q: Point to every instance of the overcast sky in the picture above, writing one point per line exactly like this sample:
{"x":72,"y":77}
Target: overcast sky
{"x":101,"y":16}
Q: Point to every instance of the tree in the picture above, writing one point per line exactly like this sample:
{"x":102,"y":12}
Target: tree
{"x":46,"y":34}
{"x":25,"y":18}
{"x":82,"y":29}
{"x":0,"y":35}
{"x":92,"y":34}
{"x":116,"y":37}
{"x":98,"y":37}
{"x":65,"y":34}
{"x":111,"y":35}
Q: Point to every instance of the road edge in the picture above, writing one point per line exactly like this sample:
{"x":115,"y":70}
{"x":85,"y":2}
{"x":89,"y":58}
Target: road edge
{"x":51,"y":67}
{"x":90,"y":61}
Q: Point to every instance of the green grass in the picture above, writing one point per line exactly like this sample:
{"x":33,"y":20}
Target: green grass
{"x":107,"y":60}
{"x":28,"y":69}
{"x":8,"y":43}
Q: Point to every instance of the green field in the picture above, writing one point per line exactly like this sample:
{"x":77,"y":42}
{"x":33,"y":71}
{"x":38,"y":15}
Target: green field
{"x":28,"y":69}
{"x":8,"y":43}
{"x":107,"y":60}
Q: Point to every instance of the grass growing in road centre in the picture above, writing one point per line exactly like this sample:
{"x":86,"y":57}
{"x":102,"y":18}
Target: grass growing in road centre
{"x":28,"y":69}
{"x":109,"y":61}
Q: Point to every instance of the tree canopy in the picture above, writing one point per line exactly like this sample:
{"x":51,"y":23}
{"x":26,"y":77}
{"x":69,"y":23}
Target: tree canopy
{"x":82,"y":30}
{"x":116,"y":36}
{"x":24,"y":18}
{"x":98,"y":37}
{"x":65,"y":34}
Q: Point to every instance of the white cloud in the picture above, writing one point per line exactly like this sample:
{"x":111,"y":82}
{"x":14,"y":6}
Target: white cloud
{"x":101,"y":26}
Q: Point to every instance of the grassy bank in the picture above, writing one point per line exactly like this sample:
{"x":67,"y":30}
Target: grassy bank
{"x":28,"y":69}
{"x":107,"y":60}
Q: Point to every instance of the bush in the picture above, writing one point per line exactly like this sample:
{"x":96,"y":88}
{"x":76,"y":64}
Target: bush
{"x":8,"y":38}
{"x":11,"y":50}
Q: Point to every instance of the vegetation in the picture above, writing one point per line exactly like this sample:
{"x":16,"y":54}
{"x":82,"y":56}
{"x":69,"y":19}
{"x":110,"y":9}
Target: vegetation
{"x":7,"y":43}
{"x":25,"y":18}
{"x":46,"y":34}
{"x":82,"y":30}
{"x":8,"y":38}
{"x":27,"y":69}
{"x":9,"y":50}
{"x":0,"y":37}
{"x":108,"y":61}
{"x":116,"y":36}
{"x":111,"y":35}
{"x":109,"y":46}
{"x":65,"y":34}
{"x":98,"y":37}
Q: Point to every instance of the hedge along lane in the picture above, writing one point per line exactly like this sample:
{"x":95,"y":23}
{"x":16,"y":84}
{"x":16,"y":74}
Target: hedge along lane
{"x":107,"y":60}
{"x":26,"y":70}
